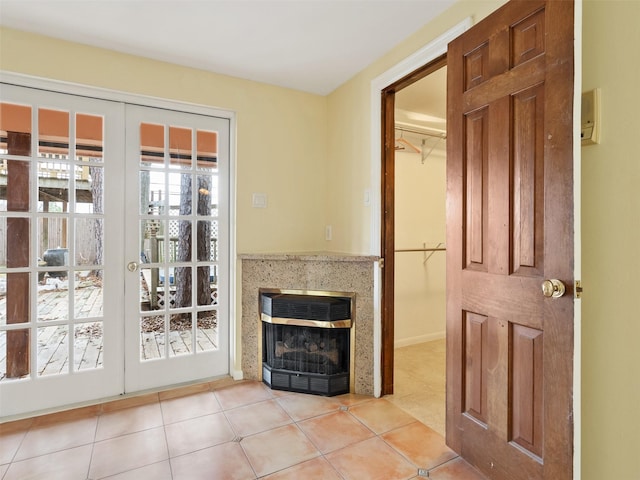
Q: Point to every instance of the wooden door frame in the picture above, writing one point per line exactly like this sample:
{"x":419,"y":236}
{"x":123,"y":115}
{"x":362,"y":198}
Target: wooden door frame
{"x":388,"y":213}
{"x":402,"y":70}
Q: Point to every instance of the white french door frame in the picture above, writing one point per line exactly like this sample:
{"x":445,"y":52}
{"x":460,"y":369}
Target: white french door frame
{"x":36,"y":392}
{"x":97,"y":93}
{"x":158,"y":372}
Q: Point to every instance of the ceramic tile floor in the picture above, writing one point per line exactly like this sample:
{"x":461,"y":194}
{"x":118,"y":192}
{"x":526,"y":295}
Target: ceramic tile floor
{"x":229,"y":430}
{"x":419,"y":382}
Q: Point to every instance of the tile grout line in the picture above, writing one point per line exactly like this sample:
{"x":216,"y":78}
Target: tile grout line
{"x":166,"y":440}
{"x":13,"y":457}
{"x":237,"y":437}
{"x":93,"y":444}
{"x":320,"y":453}
{"x":444,"y":463}
{"x":418,"y":467}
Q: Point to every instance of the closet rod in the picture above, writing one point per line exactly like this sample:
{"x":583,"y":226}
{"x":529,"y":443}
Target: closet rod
{"x":418,"y":132}
{"x":421,"y":250}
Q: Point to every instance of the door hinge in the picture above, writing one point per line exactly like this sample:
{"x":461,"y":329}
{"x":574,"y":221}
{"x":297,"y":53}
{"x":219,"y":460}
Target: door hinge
{"x":578,"y":289}
{"x":381,"y":262}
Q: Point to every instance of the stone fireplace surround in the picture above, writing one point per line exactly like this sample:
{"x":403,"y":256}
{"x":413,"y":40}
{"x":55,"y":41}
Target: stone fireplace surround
{"x":310,"y":271}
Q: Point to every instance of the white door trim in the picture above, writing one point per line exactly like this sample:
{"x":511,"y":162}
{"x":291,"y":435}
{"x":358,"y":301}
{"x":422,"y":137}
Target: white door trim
{"x":114,"y":95}
{"x":426,"y":54}
{"x":577,"y":241}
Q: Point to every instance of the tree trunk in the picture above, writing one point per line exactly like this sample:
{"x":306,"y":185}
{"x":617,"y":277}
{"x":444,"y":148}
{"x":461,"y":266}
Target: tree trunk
{"x":97,"y":197}
{"x":183,"y":274}
{"x":145,"y":188}
{"x":203,"y":243}
{"x":204,"y":239}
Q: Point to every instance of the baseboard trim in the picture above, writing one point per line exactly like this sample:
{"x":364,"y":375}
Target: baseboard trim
{"x":405,"y":342}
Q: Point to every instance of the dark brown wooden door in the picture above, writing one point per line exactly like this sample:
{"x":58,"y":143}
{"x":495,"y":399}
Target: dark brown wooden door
{"x":510,"y":227}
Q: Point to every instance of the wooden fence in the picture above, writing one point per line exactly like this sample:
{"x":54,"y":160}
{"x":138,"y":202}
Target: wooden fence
{"x":52,"y":233}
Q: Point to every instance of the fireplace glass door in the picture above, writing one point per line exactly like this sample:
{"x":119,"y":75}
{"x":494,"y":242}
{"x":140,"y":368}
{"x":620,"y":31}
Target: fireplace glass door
{"x":306,"y":342}
{"x":323,"y":351}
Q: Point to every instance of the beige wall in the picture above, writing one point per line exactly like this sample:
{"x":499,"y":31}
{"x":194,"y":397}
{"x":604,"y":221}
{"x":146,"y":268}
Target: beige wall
{"x":333,"y":143}
{"x":611,"y":246}
{"x":281,"y":144}
{"x":419,"y":310}
{"x":281,"y":135}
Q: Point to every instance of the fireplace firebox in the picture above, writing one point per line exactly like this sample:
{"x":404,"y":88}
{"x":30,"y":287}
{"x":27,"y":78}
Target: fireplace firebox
{"x":307,"y":341}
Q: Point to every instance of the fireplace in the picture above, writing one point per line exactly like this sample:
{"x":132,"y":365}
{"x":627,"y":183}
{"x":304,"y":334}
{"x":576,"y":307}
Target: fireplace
{"x":307,"y":341}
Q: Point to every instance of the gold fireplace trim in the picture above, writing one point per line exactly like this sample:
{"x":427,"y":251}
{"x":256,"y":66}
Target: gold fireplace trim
{"x":306,"y":323}
{"x":302,"y":323}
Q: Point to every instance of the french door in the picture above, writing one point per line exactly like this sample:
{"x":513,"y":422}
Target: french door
{"x":61,"y":209}
{"x":113,"y":248}
{"x":176,"y":248}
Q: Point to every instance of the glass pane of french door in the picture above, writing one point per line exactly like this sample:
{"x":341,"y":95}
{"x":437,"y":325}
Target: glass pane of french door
{"x":60,"y":203}
{"x":177,"y":287}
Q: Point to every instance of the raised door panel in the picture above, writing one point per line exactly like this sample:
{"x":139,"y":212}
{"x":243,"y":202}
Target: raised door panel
{"x":528,"y":181}
{"x":475,"y":366}
{"x":526,"y":388}
{"x":527,"y":38}
{"x":476,"y":189}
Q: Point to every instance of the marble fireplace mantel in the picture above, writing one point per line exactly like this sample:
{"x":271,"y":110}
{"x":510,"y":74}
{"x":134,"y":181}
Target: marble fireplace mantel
{"x":311,"y":271}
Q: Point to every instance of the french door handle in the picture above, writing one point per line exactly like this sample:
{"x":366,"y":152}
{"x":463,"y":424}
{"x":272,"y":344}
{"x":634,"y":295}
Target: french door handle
{"x":132,"y":266}
{"x":553,"y":288}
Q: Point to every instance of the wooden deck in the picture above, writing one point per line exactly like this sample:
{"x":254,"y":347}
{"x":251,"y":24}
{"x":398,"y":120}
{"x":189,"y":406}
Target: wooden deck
{"x":53,"y":340}
{"x":180,"y":342}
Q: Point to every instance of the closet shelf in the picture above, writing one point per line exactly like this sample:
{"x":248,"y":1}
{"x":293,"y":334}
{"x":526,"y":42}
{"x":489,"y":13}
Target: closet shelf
{"x":438,"y":136}
{"x":438,"y":248}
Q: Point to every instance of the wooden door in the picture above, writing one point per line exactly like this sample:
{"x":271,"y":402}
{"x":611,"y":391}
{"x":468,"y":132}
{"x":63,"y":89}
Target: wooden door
{"x":510,"y":227}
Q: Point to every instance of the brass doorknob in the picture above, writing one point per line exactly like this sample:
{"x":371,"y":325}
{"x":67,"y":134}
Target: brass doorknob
{"x":132,"y":266}
{"x":553,"y":288}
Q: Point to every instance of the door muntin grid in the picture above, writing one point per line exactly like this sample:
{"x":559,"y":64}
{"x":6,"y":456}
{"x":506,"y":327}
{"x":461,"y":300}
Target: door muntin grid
{"x":178,"y":229}
{"x":52,"y":249}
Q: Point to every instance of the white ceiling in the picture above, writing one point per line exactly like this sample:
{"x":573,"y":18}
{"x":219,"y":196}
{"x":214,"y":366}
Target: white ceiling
{"x":308,"y":45}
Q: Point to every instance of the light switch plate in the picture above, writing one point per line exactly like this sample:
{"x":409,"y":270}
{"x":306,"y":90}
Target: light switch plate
{"x":590,"y":117}
{"x":328,"y":232}
{"x":259,"y":200}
